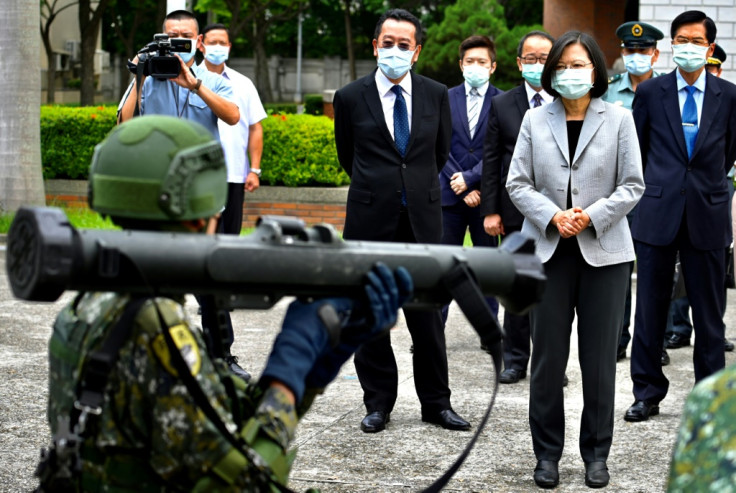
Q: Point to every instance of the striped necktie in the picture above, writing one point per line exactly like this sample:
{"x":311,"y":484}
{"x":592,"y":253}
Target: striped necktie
{"x":473,"y":110}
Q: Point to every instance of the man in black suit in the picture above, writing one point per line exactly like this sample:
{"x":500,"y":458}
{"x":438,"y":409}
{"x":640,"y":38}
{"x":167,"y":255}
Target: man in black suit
{"x":500,"y":215}
{"x":686,"y":123}
{"x":392,"y":132}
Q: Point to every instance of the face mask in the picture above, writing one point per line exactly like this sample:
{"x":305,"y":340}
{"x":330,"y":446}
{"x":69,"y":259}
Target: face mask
{"x":188,"y":56}
{"x":638,"y":63}
{"x":393,"y":62}
{"x":532,"y":73}
{"x":475,"y":75}
{"x":572,"y":83}
{"x":216,"y":54}
{"x":689,"y":57}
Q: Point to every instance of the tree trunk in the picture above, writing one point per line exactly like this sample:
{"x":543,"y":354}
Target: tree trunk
{"x":51,"y":70}
{"x":263,"y":81}
{"x":89,"y":26}
{"x":20,"y":130}
{"x":349,"y":39}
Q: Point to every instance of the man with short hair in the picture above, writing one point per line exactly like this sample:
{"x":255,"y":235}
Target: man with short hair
{"x":500,"y":216}
{"x":686,"y":124}
{"x":240,"y":140}
{"x":639,"y":52}
{"x":392,"y":133}
{"x":201,"y":96}
{"x":195,"y":94}
{"x":470,"y":103}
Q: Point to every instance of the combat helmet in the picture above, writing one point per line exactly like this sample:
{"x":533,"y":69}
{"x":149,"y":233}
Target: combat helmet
{"x":158,"y":168}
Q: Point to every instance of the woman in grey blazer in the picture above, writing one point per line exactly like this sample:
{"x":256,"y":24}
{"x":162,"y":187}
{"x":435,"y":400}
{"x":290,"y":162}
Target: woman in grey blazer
{"x":575,"y":173}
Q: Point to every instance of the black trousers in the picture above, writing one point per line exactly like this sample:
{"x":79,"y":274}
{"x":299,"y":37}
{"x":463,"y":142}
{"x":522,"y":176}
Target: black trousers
{"x":704,"y":272}
{"x":596,"y":295}
{"x":517,"y":329}
{"x":375,"y":362}
{"x":231,"y":220}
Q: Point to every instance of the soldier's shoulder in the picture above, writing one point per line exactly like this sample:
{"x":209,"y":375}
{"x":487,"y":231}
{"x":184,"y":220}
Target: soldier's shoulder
{"x":616,"y":78}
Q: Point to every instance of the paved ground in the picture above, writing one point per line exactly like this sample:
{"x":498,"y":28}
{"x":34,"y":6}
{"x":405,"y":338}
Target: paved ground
{"x":334,"y":454}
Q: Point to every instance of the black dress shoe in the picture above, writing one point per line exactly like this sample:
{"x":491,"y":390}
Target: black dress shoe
{"x":375,"y":422}
{"x":640,"y":411}
{"x":665,"y":358}
{"x":727,"y":345}
{"x":676,"y":341}
{"x":511,"y":375}
{"x":448,"y":419}
{"x":621,"y":353}
{"x":596,"y":474}
{"x":546,"y":474}
{"x":235,"y":368}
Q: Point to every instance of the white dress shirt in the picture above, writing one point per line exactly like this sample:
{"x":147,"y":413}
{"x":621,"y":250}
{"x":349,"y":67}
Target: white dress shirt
{"x":388,"y":97}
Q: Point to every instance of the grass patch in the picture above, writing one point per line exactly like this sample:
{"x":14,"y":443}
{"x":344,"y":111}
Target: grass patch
{"x":78,"y":217}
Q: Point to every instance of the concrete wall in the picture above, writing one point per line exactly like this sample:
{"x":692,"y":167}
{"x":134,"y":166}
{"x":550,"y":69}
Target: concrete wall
{"x":661,"y":12}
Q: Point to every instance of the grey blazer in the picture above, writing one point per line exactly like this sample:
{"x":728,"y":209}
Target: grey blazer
{"x":605,"y":175}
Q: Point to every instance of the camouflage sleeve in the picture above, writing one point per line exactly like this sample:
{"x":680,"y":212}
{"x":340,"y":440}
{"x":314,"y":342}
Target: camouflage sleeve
{"x":704,"y":457}
{"x":186,"y":448}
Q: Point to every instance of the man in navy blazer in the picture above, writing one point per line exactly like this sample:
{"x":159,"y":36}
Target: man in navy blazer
{"x":500,"y":215}
{"x":392,"y":133}
{"x":470,"y":103}
{"x":686,"y":123}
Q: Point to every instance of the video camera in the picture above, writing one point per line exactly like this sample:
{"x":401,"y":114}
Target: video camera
{"x":157,"y":59}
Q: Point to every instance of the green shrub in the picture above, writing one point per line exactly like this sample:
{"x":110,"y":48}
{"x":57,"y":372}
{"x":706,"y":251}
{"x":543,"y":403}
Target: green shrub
{"x":280,"y":108}
{"x":69,"y":136}
{"x":313,"y":104}
{"x":299,"y":150}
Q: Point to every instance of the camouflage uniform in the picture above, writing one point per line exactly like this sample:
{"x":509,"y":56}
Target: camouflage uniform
{"x":151,"y":434}
{"x":705,"y":453}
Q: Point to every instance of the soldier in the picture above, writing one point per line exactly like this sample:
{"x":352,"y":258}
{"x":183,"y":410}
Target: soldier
{"x":715,"y":62}
{"x":135,"y":401}
{"x":639,"y":52}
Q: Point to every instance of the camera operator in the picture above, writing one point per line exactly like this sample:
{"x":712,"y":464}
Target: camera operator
{"x":196,"y":94}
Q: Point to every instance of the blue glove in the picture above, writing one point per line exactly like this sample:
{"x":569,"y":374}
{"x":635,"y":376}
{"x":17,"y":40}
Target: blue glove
{"x":385,"y":293}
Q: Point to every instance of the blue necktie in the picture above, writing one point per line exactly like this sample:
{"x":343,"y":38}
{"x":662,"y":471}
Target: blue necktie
{"x":401,"y":129}
{"x":537,"y":100}
{"x":690,"y":120}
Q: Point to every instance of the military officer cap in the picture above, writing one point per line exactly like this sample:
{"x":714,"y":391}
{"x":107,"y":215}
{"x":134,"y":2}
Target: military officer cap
{"x":717,"y":58}
{"x":638,"y":35}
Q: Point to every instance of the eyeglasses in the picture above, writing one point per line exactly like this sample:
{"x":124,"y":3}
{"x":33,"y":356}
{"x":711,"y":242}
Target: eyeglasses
{"x":681,"y":40}
{"x":576,"y":65}
{"x":532,"y":59}
{"x":387,"y":45}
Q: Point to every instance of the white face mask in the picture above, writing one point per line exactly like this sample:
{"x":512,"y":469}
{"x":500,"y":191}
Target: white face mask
{"x":689,"y":57}
{"x":216,"y":54}
{"x":638,"y":63}
{"x":394,"y":62}
{"x":475,"y":75}
{"x":572,"y":83}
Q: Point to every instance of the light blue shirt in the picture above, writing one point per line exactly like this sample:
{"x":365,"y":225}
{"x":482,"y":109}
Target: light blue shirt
{"x":164,"y":97}
{"x":698,"y":95}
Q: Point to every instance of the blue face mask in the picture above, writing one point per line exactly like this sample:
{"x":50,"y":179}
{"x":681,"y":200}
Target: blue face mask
{"x":475,"y":75}
{"x":216,"y":54}
{"x":532,"y":73}
{"x":393,"y":62}
{"x":572,"y":83}
{"x":689,"y":57}
{"x":188,"y":56}
{"x":638,"y":63}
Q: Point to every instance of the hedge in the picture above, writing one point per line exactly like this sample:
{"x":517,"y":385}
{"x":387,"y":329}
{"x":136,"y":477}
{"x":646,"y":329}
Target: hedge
{"x":298,"y":150}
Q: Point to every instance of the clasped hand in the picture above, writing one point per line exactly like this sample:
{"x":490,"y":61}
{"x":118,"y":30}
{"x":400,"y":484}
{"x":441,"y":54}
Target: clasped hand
{"x":571,"y":222}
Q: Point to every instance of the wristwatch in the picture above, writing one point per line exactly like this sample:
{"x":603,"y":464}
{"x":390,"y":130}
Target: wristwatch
{"x":196,"y":87}
{"x":256,"y":171}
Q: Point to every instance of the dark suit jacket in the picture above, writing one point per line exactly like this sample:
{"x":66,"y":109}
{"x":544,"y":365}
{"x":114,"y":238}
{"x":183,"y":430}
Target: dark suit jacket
{"x":504,"y":122}
{"x":674,"y":184}
{"x":466,"y":154}
{"x":368,"y":154}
